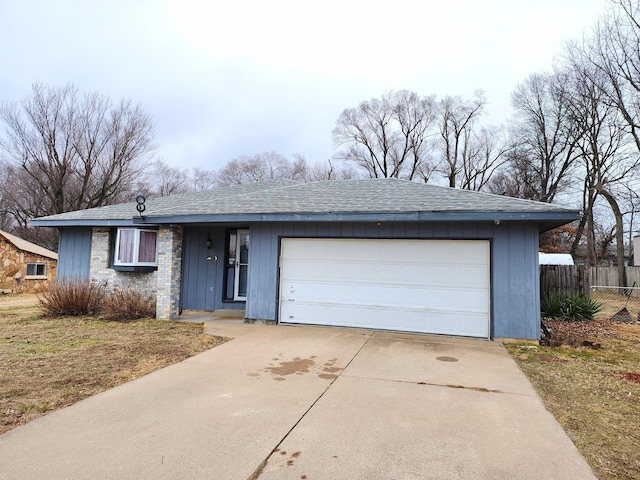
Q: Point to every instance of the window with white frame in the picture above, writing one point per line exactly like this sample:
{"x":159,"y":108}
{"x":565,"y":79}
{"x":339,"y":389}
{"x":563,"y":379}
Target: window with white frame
{"x":136,"y":247}
{"x":36,"y":269}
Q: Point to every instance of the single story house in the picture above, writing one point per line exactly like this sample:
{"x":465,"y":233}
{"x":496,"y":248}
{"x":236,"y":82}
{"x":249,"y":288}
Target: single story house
{"x":26,"y":267}
{"x":379,"y":253}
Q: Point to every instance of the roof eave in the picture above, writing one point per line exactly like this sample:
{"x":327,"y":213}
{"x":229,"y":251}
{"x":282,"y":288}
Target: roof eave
{"x":545,"y":218}
{"x":546,"y":225}
{"x":84,"y":222}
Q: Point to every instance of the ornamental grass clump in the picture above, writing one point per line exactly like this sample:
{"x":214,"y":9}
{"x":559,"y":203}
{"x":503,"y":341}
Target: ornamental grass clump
{"x":71,"y":298}
{"x":561,"y":306}
{"x":127,"y":304}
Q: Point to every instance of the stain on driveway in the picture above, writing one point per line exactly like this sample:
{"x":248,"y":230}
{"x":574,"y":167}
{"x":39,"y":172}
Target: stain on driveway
{"x":298,"y":366}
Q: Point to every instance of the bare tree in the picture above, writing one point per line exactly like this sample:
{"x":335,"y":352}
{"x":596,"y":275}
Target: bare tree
{"x":602,"y":144}
{"x":162,"y":180}
{"x":517,"y":177}
{"x":611,"y":58}
{"x":632,"y":201}
{"x":614,"y":50}
{"x":6,"y":220}
{"x":485,"y":154}
{"x":262,"y":166}
{"x":456,"y":120}
{"x":329,"y":171}
{"x":387,"y":137}
{"x":202,"y":179}
{"x":544,"y":134}
{"x":604,"y":238}
{"x":63,"y":151}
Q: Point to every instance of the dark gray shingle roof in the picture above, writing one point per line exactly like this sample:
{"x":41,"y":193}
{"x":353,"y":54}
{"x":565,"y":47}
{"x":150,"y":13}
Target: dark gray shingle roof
{"x":154,"y":205}
{"x":288,"y":198}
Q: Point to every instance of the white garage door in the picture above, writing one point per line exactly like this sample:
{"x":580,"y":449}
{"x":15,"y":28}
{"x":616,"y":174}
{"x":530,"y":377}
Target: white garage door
{"x":429,"y":286}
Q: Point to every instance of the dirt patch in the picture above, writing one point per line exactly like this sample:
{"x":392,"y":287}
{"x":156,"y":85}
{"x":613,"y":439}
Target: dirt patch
{"x":631,"y":377}
{"x":548,"y":358}
{"x":577,"y":333}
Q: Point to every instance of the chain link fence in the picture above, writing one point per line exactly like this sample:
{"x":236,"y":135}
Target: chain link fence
{"x":619,"y":303}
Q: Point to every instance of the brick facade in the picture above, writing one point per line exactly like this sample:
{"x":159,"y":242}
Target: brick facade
{"x":101,"y":273}
{"x":163,"y":284}
{"x":13,"y":270}
{"x":169,"y":271}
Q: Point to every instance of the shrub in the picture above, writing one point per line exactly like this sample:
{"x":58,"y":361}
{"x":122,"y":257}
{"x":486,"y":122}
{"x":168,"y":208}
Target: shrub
{"x":127,"y":304}
{"x":76,"y":298}
{"x":569,"y":307}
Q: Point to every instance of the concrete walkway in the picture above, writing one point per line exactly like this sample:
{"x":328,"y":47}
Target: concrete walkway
{"x":282,"y":402}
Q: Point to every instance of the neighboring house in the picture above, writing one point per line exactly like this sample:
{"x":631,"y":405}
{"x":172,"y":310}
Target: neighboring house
{"x":26,"y":267}
{"x":380,"y":253}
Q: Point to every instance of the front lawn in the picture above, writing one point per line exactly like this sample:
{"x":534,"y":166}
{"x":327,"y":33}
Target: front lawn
{"x":593,"y":391}
{"x":49,"y":363}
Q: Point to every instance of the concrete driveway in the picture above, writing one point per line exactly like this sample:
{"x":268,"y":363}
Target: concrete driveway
{"x":307,"y":403}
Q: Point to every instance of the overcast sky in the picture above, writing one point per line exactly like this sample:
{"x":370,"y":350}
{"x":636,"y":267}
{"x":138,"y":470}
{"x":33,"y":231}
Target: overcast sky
{"x":229,"y":78}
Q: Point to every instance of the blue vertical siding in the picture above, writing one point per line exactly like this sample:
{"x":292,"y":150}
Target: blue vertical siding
{"x":202,"y":280}
{"x":74,"y":253}
{"x":516,"y":288}
{"x":514,"y":264}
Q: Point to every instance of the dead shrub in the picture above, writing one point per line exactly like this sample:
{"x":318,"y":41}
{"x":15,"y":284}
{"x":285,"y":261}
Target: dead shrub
{"x":71,"y":298}
{"x":127,"y":304}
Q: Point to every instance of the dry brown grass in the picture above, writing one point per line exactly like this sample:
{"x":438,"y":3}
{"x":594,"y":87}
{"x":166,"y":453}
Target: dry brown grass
{"x":49,"y":363}
{"x":591,"y":392}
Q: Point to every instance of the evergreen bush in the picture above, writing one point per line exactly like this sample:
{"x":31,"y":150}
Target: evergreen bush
{"x":562,"y":306}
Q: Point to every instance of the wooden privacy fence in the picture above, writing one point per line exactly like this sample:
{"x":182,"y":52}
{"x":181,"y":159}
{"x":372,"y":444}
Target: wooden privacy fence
{"x":577,"y":280}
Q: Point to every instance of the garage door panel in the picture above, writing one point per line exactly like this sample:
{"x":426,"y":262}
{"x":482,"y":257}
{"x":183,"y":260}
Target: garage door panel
{"x":387,"y":273}
{"x":431,"y":286}
{"x":438,"y":275}
{"x":396,"y":296}
{"x":431,"y":251}
{"x":397,"y":311}
{"x":461,"y":300}
{"x":363,"y":316}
